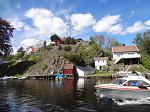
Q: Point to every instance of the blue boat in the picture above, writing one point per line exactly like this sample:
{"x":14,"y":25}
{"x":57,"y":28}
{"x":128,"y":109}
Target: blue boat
{"x":60,"y":76}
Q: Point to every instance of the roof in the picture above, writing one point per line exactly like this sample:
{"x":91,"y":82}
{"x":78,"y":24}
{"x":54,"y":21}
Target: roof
{"x":125,"y":49}
{"x":101,"y":58}
{"x":85,"y":69}
{"x":68,"y":66}
{"x":35,"y":49}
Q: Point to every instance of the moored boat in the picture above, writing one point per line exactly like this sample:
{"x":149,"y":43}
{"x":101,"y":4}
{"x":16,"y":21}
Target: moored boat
{"x":131,"y":86}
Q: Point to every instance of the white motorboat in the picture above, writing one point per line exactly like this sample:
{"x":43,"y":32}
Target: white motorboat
{"x":131,"y":86}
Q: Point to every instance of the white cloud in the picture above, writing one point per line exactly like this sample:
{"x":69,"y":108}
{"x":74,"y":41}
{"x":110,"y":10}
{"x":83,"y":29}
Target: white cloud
{"x":108,"y":24}
{"x":45,"y":21}
{"x":116,"y":29}
{"x":137,"y":27}
{"x":31,"y":42}
{"x":147,"y":22}
{"x":16,"y":23}
{"x":81,"y":21}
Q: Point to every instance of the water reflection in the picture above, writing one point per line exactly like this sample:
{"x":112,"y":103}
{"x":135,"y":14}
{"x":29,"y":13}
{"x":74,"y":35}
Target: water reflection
{"x":63,"y":95}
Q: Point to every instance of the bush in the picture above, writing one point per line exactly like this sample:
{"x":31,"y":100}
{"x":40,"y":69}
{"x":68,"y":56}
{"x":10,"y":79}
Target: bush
{"x":146,"y":61}
{"x":44,"y":67}
{"x":70,"y":41}
{"x":137,"y":68}
{"x":74,"y":58}
{"x":67,"y":48}
{"x":18,"y":56}
{"x":49,"y":47}
{"x":115,"y":69}
{"x":34,"y":58}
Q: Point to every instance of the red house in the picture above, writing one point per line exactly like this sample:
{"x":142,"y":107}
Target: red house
{"x":68,"y":69}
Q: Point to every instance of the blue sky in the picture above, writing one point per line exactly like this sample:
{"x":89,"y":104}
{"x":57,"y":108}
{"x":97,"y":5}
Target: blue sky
{"x":37,"y":20}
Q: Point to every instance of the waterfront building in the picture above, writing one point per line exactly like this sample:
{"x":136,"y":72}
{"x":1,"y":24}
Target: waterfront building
{"x":128,"y":54}
{"x":82,"y":71}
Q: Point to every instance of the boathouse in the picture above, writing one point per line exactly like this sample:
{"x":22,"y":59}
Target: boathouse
{"x":69,"y":69}
{"x":82,"y":71}
{"x":127,"y":54}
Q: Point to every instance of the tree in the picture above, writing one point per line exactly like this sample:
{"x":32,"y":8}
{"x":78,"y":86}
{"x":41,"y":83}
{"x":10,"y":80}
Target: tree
{"x":138,"y":39}
{"x":54,"y":38}
{"x":20,"y":49}
{"x":100,"y":39}
{"x":92,"y":41}
{"x":6,"y":32}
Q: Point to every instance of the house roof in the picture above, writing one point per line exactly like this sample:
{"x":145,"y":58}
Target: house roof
{"x":100,"y":58}
{"x":68,"y":66}
{"x":86,"y":69}
{"x":125,"y":49}
{"x":35,"y":49}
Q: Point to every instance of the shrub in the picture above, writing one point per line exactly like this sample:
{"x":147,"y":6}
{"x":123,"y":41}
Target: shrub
{"x":115,"y":69}
{"x":67,"y":48}
{"x":49,"y":47}
{"x":34,"y":58}
{"x":70,"y":40}
{"x":146,"y":61}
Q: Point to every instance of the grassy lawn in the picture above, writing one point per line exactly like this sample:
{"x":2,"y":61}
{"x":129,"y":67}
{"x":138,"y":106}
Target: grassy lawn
{"x":104,"y":73}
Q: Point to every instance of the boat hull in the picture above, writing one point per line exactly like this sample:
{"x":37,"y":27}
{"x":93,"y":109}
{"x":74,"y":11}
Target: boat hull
{"x":121,"y":92}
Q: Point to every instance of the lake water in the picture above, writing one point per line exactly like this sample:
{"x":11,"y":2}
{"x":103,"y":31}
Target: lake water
{"x":65,"y":95}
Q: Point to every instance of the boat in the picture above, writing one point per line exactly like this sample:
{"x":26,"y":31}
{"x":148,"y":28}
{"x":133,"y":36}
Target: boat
{"x":6,"y":78}
{"x":22,"y":78}
{"x":131,"y":86}
{"x":60,"y":76}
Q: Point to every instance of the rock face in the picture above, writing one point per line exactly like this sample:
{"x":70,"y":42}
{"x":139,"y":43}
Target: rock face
{"x":51,"y":61}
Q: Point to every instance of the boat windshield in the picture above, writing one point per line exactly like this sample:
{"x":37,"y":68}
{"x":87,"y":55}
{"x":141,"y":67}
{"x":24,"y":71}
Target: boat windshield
{"x":119,"y":81}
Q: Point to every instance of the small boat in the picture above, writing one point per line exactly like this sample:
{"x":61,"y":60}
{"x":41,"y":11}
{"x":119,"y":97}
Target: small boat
{"x":132,"y":86}
{"x":60,"y":76}
{"x":6,"y":78}
{"x":22,"y":78}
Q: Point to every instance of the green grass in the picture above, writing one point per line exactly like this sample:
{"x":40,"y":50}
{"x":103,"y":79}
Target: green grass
{"x":104,"y":73}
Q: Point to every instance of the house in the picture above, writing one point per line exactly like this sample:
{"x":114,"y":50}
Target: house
{"x":68,"y":69}
{"x":82,"y":71}
{"x":100,"y":62}
{"x":32,"y":50}
{"x":127,"y":54}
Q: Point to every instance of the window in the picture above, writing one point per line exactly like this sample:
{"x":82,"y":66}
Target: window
{"x":136,"y":83}
{"x":119,"y":81}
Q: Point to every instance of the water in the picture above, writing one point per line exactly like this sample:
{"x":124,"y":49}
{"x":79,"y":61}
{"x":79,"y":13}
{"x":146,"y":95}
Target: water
{"x":64,"y":95}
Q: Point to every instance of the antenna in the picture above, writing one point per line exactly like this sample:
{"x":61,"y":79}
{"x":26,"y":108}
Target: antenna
{"x":68,"y":29}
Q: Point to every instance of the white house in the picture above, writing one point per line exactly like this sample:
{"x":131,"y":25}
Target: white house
{"x":129,"y":54}
{"x":82,"y":71}
{"x":31,"y":50}
{"x":100,"y":62}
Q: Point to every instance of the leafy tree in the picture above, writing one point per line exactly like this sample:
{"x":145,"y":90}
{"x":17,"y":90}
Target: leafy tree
{"x":49,"y":47}
{"x":20,"y":49}
{"x":6,"y":32}
{"x":54,"y":38}
{"x":70,"y":40}
{"x":100,"y":39}
{"x":138,"y":40}
{"x":92,"y":41}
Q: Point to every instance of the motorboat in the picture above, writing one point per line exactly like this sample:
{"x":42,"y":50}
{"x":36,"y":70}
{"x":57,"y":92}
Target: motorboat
{"x":133,"y":85}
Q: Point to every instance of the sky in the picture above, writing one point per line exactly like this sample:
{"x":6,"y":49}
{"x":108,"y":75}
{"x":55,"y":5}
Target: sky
{"x":36,"y":20}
